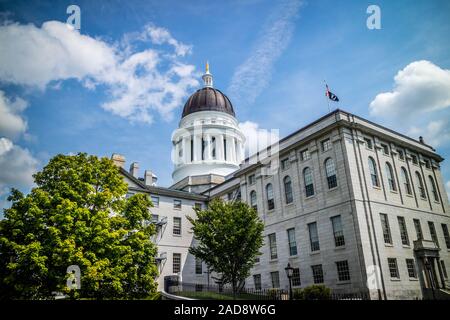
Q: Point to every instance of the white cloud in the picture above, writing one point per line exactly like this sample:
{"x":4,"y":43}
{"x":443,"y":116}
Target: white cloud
{"x":17,"y":166}
{"x":420,"y":87}
{"x":11,"y":123}
{"x":253,"y":75}
{"x":435,"y":133}
{"x":140,"y":82}
{"x":257,"y":138}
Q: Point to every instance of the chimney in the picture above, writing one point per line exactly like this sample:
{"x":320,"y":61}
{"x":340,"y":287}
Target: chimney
{"x":149,"y":178}
{"x":134,"y":169}
{"x":118,"y":159}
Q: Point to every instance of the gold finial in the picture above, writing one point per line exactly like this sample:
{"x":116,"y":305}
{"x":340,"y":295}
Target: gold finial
{"x":207,"y":66}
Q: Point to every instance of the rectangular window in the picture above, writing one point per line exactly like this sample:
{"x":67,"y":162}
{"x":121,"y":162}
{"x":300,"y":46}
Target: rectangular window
{"x":385,"y":149}
{"x":343,"y":270}
{"x":427,"y":164}
{"x":292,"y":242}
{"x":257,"y":281}
{"x":446,"y":235}
{"x":285,"y":164}
{"x":275,"y":277}
{"x":326,"y":145}
{"x":403,"y":231}
{"x":433,"y":232}
{"x":385,"y":227}
{"x":338,"y":231}
{"x":251,"y":179}
{"x":393,"y":268}
{"x":176,"y":262}
{"x":176,"y":225}
{"x":273,"y":246}
{"x":304,"y":155}
{"x":198,"y":206}
{"x":414,"y":159}
{"x":313,"y":236}
{"x":418,"y":228}
{"x":155,"y":201}
{"x":177,"y":204}
{"x":410,"y":265}
{"x":401,"y":155}
{"x":198,"y":266}
{"x":296,"y":277}
{"x":317,"y":273}
{"x":229,"y":196}
{"x":368,"y":143}
{"x":444,"y":270}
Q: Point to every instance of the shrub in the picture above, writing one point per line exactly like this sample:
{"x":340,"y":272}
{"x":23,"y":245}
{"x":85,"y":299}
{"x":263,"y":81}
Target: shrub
{"x":314,"y":292}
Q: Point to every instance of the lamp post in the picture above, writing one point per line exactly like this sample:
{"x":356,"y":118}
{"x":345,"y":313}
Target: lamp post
{"x":430,"y":274}
{"x":289,"y":272}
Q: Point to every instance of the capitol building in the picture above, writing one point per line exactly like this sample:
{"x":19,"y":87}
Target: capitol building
{"x":350,"y":204}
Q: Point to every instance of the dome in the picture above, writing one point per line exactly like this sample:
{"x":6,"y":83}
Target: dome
{"x":208,"y":99}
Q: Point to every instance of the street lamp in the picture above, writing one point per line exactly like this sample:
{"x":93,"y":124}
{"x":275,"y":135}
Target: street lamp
{"x":289,"y":272}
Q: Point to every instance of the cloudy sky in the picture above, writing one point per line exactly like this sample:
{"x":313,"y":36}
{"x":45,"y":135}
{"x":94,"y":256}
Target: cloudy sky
{"x":119,"y":83}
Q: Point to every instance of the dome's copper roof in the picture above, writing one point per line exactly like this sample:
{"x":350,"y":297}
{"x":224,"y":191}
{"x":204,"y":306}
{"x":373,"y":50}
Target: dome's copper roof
{"x":208,"y":99}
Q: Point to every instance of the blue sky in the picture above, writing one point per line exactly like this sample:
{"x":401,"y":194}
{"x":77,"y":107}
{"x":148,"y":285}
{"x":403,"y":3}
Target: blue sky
{"x":270,"y":57}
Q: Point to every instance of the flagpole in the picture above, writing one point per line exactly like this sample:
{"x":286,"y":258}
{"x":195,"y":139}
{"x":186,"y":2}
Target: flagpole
{"x":326,"y":97}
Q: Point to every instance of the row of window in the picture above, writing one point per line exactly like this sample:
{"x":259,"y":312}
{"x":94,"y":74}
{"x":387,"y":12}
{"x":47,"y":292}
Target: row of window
{"x":404,"y":231}
{"x":330,"y":172}
{"x":405,"y":180}
{"x":411,"y":268}
{"x":343,"y":273}
{"x":338,"y":234}
{"x":177,"y":203}
{"x":400,"y":152}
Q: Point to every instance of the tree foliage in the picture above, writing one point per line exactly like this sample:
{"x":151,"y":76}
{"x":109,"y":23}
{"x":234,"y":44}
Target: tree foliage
{"x":77,"y":215}
{"x":229,"y":236}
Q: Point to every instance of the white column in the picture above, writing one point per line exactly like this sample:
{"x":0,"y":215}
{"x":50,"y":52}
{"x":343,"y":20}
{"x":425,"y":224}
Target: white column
{"x":219,"y":147}
{"x":208,"y":147}
{"x":233,"y":149}
{"x":229,"y":143}
{"x":184,"y":144}
{"x":177,"y":153}
{"x":197,"y":148}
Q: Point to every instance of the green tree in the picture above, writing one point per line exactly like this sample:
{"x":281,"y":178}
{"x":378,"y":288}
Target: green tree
{"x":229,"y":236}
{"x":77,"y":215}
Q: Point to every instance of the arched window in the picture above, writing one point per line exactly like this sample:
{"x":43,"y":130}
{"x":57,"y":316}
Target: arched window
{"x":373,"y":172}
{"x":420,"y":185}
{"x":288,"y":189}
{"x":253,"y":200}
{"x":390,"y":177}
{"x":309,"y":184}
{"x":330,"y":171}
{"x":405,"y":180}
{"x":269,"y":194}
{"x":434,"y":189}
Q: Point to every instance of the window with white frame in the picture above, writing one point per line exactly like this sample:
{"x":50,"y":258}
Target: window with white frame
{"x":288,"y":189}
{"x":275,"y":277}
{"x":155,"y":201}
{"x":253,"y":203}
{"x":433,"y":232}
{"x":317,"y":272}
{"x":385,"y":149}
{"x":390,"y":177}
{"x":305,"y":155}
{"x":385,"y":228}
{"x":326,"y":145}
{"x":269,"y":195}
{"x":313,"y":236}
{"x":285,"y":164}
{"x":343,"y":270}
{"x":338,"y":231}
{"x":420,"y":186}
{"x":433,"y":189}
{"x":403,"y":231}
{"x":405,"y":180}
{"x":373,"y":172}
{"x":418,"y":228}
{"x":330,"y":171}
{"x":251,"y":179}
{"x":309,"y":184}
{"x":368,"y":143}
{"x":273,"y":246}
{"x":411,"y":266}
{"x":393,"y":268}
{"x":177,"y":204}
{"x":446,"y":235}
{"x":296,"y":282}
{"x":176,"y":262}
{"x":292,"y":242}
{"x":177,"y":226}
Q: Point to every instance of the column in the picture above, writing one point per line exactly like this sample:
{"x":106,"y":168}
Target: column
{"x":219,"y":147}
{"x":208,"y":147}
{"x":183,"y":156}
{"x":233,"y":149}
{"x":197,"y":148}
{"x":177,"y":153}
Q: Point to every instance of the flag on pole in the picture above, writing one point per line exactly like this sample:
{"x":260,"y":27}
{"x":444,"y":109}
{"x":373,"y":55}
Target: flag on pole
{"x":331,"y":95}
